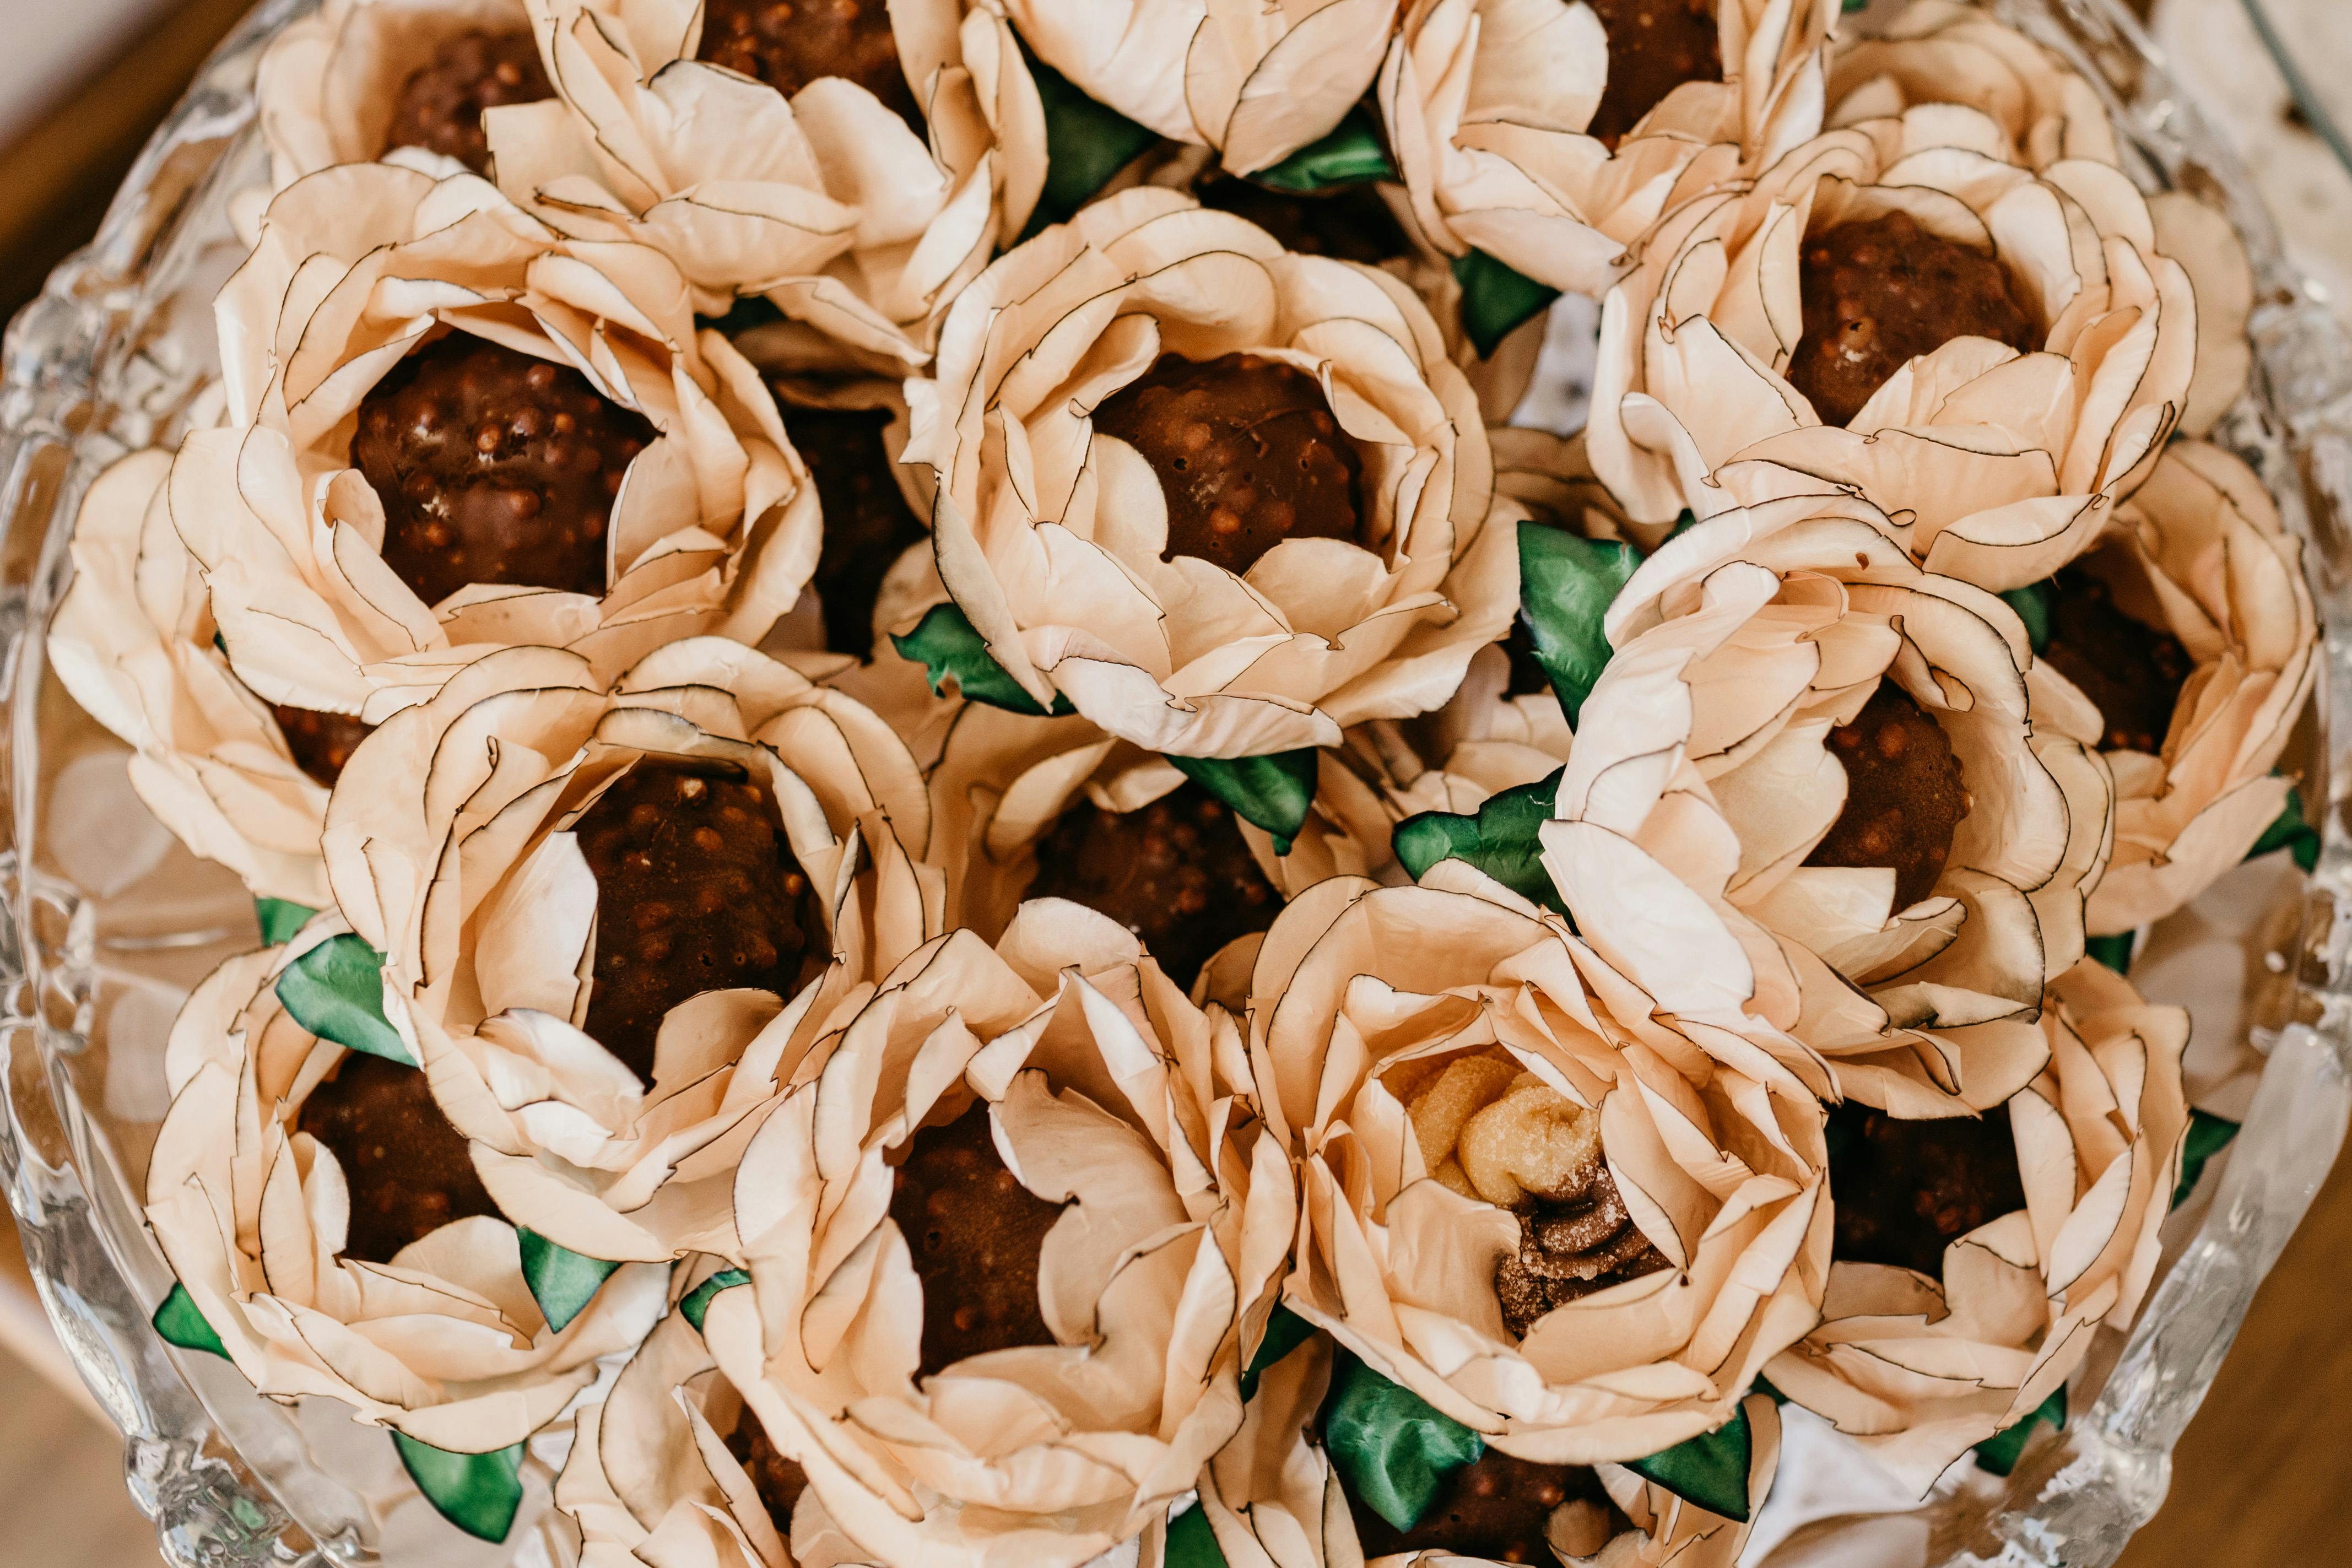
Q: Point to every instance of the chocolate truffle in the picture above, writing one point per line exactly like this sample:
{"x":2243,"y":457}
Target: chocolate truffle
{"x":975,"y":1235}
{"x":1569,"y":1250}
{"x":321,"y":742}
{"x":1877,"y":295}
{"x":1500,"y":1509}
{"x":696,"y":890}
{"x":1654,"y":46}
{"x":407,"y":1169}
{"x":778,"y":1481}
{"x":1903,"y":1190}
{"x":1178,"y":873}
{"x":2132,"y":672}
{"x":493,"y":467}
{"x":440,"y":105}
{"x":868,"y":522}
{"x":1904,"y":794}
{"x":1247,"y":451}
{"x":1350,"y":224}
{"x":789,"y":44}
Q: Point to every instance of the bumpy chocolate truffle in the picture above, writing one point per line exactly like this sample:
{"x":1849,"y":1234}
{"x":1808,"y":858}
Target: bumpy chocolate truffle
{"x":440,"y":105}
{"x":1877,"y":295}
{"x":868,"y":522}
{"x":696,"y":890}
{"x":1247,"y":450}
{"x":493,"y":467}
{"x":1904,"y":794}
{"x":1351,"y":224}
{"x":1499,"y":1508}
{"x":778,"y":1481}
{"x":1654,"y":46}
{"x":321,"y":742}
{"x":789,"y":44}
{"x":1178,"y":873}
{"x":1903,"y":1190}
{"x":2132,"y":672}
{"x":407,"y":1167}
{"x":1567,"y":1250}
{"x":975,"y":1234}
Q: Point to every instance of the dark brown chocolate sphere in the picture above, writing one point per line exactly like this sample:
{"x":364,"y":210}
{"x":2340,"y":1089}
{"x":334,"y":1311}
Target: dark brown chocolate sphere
{"x":321,"y":742}
{"x":779,"y":1480}
{"x":1654,"y":46}
{"x":1905,"y":1190}
{"x":1569,"y":1250}
{"x":868,"y":522}
{"x":1877,"y":295}
{"x":440,"y":105}
{"x":1350,"y":224}
{"x":1904,"y":794}
{"x":696,"y":890}
{"x":2132,"y":672}
{"x":493,"y":467}
{"x":1178,"y":873}
{"x":407,"y":1169}
{"x":975,"y":1235}
{"x":1247,"y":451}
{"x":789,"y":44}
{"x":1498,"y":1508}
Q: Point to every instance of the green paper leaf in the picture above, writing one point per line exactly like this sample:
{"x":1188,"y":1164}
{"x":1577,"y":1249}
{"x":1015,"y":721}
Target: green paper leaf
{"x":1393,"y":1448}
{"x":1566,"y":586}
{"x":946,"y":644}
{"x":180,"y":1323}
{"x":697,"y":1305}
{"x":1496,"y":299}
{"x":1851,"y":6}
{"x":280,"y":919}
{"x":1191,"y":1544}
{"x":1998,"y":1455}
{"x":336,"y":992}
{"x":1270,"y":792}
{"x":1353,"y":154}
{"x":1285,"y":1331}
{"x":479,"y":1494}
{"x":562,"y":1282}
{"x":2115,"y":952}
{"x":1710,"y":1469}
{"x":2032,"y":604}
{"x":1086,"y":144}
{"x":2290,"y":830}
{"x":2207,"y":1136}
{"x":1500,"y":840}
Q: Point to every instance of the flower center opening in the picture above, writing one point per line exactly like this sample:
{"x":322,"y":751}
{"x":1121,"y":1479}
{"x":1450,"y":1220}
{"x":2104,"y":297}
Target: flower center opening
{"x":321,"y":742}
{"x":696,"y":890}
{"x":1178,"y":873}
{"x":1350,"y":224}
{"x":1247,"y":451}
{"x":789,"y":44}
{"x":779,"y":1480}
{"x":407,"y":1169}
{"x":1905,"y":1190}
{"x":1904,"y":794}
{"x":2132,"y":672}
{"x":1500,"y":1509}
{"x":493,"y":467}
{"x":975,"y":1235}
{"x":1877,"y":295}
{"x":440,"y":105}
{"x":868,"y":522}
{"x":1654,"y":46}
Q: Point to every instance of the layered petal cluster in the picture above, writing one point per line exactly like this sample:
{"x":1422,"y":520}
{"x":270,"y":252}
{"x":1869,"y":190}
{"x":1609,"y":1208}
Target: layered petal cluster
{"x":444,"y":1343}
{"x":1703,"y":779}
{"x":715,"y":527}
{"x":1934,"y":53}
{"x":1439,"y":1057}
{"x":450,"y":848}
{"x":1052,"y":537}
{"x":1919,"y":1370}
{"x":1106,"y":1092}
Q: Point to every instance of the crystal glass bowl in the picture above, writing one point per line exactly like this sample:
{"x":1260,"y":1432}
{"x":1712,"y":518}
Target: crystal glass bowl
{"x":113,"y":921}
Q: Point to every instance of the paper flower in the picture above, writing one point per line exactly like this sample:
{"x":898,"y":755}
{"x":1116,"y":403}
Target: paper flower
{"x":450,"y":430}
{"x":611,"y":923}
{"x":392,"y":1284}
{"x":1936,"y":53}
{"x":1810,"y":786}
{"x":855,"y":176}
{"x":1001,"y":1237}
{"x":1346,"y":573}
{"x":1939,"y":1334}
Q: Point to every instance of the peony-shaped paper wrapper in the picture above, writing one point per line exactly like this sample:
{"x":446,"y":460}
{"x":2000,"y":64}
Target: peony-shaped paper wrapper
{"x":444,"y":1343}
{"x":1105,"y":1092}
{"x":452,"y":847}
{"x":1936,"y":53}
{"x":1052,"y":537}
{"x":714,"y":527}
{"x":1454,"y":1071}
{"x":1488,"y":105}
{"x":1919,"y":1370}
{"x":1703,"y":841}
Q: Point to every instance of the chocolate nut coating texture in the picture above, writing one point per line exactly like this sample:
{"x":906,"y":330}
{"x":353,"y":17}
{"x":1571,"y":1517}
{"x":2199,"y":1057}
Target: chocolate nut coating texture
{"x":1569,"y":1249}
{"x":1351,"y":224}
{"x":1247,"y":451}
{"x":440,"y":105}
{"x":696,"y":890}
{"x":1178,"y":873}
{"x":868,"y":522}
{"x":493,"y":467}
{"x":1877,"y":295}
{"x":407,"y":1169}
{"x":1903,"y":1190}
{"x":2132,"y":672}
{"x":779,"y":1480}
{"x":1654,"y":46}
{"x":1499,"y":1508}
{"x":1904,"y":794}
{"x":975,"y":1234}
{"x":789,"y":44}
{"x":321,"y":742}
